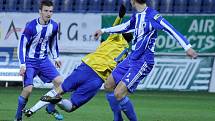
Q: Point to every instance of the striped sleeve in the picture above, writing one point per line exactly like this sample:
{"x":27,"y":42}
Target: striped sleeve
{"x":161,"y":23}
{"x":175,"y":34}
{"x":25,"y":38}
{"x":122,"y":28}
{"x":54,"y":44}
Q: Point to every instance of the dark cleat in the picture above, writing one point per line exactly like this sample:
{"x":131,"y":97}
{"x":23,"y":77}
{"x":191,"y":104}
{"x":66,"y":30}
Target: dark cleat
{"x":28,"y":112}
{"x":53,"y":100}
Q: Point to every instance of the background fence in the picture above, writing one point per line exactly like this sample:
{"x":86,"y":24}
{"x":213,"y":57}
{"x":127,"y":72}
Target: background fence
{"x":173,"y":70}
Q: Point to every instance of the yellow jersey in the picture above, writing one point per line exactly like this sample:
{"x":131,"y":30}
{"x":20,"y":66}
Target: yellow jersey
{"x":102,"y":60}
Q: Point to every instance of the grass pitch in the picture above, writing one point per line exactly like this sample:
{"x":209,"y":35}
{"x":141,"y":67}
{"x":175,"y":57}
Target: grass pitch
{"x":149,"y":105}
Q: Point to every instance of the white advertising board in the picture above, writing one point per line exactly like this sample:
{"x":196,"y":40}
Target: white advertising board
{"x":75,"y":30}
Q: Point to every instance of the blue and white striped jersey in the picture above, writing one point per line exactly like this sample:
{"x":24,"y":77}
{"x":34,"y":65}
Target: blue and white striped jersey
{"x":35,"y":40}
{"x":145,"y":25}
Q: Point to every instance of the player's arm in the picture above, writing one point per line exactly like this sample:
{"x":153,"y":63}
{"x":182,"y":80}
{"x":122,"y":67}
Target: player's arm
{"x":53,"y":46}
{"x":121,"y":28}
{"x":118,"y":20}
{"x":167,"y":27}
{"x":21,"y":51}
{"x":122,"y":11}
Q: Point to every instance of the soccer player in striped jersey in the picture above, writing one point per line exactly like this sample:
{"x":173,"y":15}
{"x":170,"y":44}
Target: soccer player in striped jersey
{"x":144,"y":23}
{"x":88,"y":77}
{"x":39,"y":34}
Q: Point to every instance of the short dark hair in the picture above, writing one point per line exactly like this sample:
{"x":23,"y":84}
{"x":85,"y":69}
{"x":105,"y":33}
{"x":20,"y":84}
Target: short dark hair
{"x":45,"y":3}
{"x":141,"y":1}
{"x":127,"y":36}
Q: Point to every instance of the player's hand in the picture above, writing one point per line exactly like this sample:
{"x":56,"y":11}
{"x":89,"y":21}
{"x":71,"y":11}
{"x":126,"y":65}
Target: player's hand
{"x":22,"y":71}
{"x":58,"y":63}
{"x":192,"y":53}
{"x":122,"y":11}
{"x":97,"y":34}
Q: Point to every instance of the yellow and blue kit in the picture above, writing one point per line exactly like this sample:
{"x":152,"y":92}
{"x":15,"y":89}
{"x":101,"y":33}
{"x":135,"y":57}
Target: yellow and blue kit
{"x":102,"y":60}
{"x":89,"y":76}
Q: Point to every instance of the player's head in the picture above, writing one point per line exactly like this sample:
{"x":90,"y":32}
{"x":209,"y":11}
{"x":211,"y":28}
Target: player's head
{"x":135,"y":2}
{"x":141,"y":1}
{"x":46,"y":10}
{"x":127,"y":36}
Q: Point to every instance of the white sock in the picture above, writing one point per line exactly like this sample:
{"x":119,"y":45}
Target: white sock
{"x":65,"y":105}
{"x":40,"y":103}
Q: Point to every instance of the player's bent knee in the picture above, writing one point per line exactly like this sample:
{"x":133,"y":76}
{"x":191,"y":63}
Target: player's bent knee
{"x":108,"y":87}
{"x":67,"y":106}
{"x":27,"y":91}
{"x":73,"y":108}
{"x":118,"y":95}
{"x":110,"y":84}
{"x":57,"y":81}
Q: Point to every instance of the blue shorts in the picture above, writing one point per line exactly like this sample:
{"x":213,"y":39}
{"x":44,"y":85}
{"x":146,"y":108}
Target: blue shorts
{"x":41,"y":67}
{"x":84,"y":82}
{"x":131,"y":72}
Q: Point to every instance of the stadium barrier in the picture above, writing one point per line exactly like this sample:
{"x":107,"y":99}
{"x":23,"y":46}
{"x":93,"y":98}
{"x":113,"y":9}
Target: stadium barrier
{"x":212,"y":82}
{"x":173,"y":70}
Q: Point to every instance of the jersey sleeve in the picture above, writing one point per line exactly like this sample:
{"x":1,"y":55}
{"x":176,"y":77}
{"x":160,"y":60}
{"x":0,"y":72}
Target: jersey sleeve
{"x":160,"y":23}
{"x":117,"y":21}
{"x":53,"y":45}
{"x":25,"y":38}
{"x":122,"y":28}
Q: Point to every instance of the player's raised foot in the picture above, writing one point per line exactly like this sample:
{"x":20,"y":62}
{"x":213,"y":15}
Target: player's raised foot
{"x":53,"y":100}
{"x":55,"y":113}
{"x":28,"y":112}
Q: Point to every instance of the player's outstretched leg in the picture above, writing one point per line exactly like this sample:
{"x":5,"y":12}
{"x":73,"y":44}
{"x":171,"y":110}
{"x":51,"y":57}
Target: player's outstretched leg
{"x":66,"y":105}
{"x":41,"y":103}
{"x":50,"y":109}
{"x":115,"y":107}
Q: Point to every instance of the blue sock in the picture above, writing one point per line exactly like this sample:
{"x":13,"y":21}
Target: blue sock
{"x":21,"y":105}
{"x":128,"y":108}
{"x":50,"y":107}
{"x":115,"y":107}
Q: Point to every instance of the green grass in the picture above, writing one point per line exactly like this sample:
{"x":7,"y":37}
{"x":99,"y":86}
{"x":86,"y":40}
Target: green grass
{"x":149,"y":105}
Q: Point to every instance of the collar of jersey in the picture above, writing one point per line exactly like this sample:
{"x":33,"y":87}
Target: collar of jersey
{"x":43,"y":24}
{"x":144,"y":10}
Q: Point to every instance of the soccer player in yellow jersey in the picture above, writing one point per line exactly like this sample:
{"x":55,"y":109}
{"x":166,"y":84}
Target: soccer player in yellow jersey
{"x":88,"y":77}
